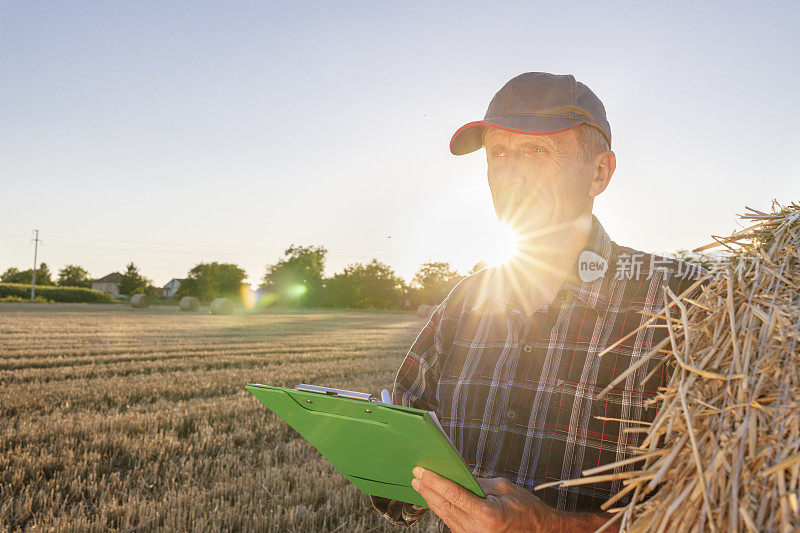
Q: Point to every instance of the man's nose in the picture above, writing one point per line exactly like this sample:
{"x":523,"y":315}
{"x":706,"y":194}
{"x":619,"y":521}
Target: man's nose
{"x":514,"y":173}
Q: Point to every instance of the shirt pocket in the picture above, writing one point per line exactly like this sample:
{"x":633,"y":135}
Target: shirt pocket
{"x":478,"y":343}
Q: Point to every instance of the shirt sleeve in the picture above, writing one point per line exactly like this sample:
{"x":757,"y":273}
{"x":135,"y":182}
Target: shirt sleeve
{"x":416,"y":381}
{"x":415,"y":386}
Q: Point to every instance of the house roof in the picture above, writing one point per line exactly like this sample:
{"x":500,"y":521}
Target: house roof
{"x":114,"y":277}
{"x":175,"y":279}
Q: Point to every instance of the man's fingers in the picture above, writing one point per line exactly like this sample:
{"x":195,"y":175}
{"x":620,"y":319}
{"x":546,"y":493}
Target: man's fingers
{"x":452,"y":515}
{"x":449,"y":490}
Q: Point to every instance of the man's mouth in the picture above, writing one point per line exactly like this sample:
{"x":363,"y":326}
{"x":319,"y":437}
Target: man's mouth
{"x":521,"y":208}
{"x":516,"y":196}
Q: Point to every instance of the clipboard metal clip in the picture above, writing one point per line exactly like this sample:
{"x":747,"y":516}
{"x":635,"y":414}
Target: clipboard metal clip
{"x":363,"y":396}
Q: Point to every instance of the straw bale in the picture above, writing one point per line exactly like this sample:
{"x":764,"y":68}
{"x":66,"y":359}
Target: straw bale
{"x":221,"y":306}
{"x":723,"y":452}
{"x":140,"y":301}
{"x":189,"y":303}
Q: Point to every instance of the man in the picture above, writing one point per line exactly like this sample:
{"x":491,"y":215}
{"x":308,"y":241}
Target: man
{"x":510,"y":361}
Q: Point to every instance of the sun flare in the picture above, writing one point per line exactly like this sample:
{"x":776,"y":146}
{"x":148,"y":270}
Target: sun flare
{"x":505,"y":245}
{"x":248,"y":296}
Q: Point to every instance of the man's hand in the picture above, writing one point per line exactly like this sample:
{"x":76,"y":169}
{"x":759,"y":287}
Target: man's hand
{"x":507,"y":507}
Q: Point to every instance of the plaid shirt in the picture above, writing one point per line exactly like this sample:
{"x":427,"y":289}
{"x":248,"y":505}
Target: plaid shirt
{"x":515,"y":389}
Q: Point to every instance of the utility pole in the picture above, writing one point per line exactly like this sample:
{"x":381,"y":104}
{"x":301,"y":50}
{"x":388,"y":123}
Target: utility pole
{"x":35,"y":252}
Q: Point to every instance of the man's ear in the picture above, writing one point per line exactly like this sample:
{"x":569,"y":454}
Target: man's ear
{"x":605,"y":163}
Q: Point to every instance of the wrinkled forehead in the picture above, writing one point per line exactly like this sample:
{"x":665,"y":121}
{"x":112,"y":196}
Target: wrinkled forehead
{"x":496,"y":135}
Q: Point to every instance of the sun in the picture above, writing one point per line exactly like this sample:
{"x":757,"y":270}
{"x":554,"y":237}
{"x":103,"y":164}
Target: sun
{"x":504,"y":246}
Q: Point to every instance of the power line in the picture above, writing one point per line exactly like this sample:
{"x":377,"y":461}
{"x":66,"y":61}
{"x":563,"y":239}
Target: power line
{"x":183,"y":245}
{"x":170,"y":248}
{"x":241,"y":252}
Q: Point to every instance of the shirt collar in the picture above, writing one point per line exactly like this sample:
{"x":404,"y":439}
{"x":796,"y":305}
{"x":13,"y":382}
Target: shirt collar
{"x":598,"y":250}
{"x":593,"y":292}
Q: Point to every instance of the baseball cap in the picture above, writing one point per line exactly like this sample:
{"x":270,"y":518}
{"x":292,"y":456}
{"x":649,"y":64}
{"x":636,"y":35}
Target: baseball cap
{"x":535,"y":103}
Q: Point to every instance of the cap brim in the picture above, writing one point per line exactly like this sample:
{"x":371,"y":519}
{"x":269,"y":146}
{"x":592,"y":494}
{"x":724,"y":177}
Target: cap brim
{"x":469,"y":137}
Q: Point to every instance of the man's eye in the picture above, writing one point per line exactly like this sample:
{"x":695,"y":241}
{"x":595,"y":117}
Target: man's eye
{"x":535,"y":150}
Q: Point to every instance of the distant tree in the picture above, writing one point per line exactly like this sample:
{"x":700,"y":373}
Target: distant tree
{"x":480,"y":265}
{"x":133,"y":282}
{"x":411,"y":294}
{"x":207,"y":281}
{"x":704,"y":260}
{"x":13,"y":275}
{"x":297,"y":278}
{"x":370,"y":285}
{"x":338,"y":291}
{"x":73,"y":276}
{"x":435,"y":280}
{"x":43,"y":275}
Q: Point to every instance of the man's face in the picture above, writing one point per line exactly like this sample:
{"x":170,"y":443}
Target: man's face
{"x":537,"y":181}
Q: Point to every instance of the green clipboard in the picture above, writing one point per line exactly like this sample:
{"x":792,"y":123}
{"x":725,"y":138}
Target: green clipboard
{"x":374,"y":445}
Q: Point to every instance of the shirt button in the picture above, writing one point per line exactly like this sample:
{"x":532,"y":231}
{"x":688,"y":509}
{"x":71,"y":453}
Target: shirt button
{"x":528,"y":348}
{"x":562,"y":298}
{"x":511,"y":414}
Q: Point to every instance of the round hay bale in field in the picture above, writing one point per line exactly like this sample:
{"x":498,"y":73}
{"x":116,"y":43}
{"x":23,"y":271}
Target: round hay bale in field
{"x":189,"y":303}
{"x":424,"y":311}
{"x":723,"y":453}
{"x":140,"y":301}
{"x":221,"y":306}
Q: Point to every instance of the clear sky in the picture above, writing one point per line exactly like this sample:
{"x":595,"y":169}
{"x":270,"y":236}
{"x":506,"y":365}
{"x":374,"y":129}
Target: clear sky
{"x":172,"y":133}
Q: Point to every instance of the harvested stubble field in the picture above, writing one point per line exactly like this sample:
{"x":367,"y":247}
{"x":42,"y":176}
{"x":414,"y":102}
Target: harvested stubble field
{"x":137,"y":420}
